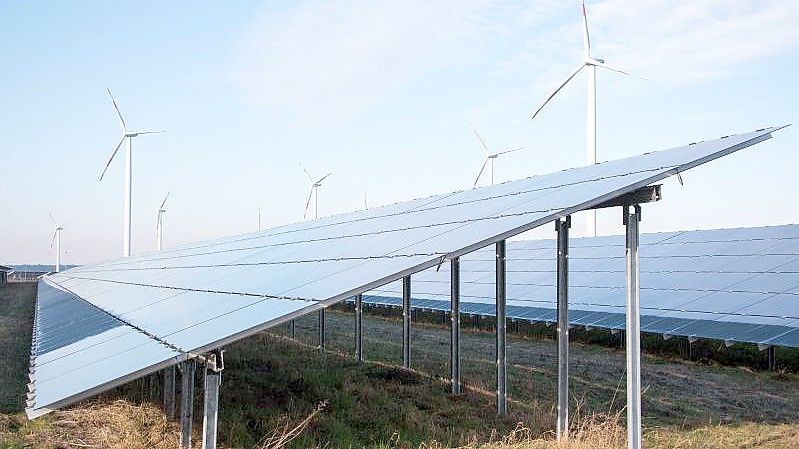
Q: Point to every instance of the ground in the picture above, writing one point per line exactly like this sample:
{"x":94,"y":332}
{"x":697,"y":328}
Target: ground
{"x":272,"y":383}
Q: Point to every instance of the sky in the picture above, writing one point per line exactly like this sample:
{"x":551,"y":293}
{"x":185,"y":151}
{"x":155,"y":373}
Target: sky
{"x":379,"y":94}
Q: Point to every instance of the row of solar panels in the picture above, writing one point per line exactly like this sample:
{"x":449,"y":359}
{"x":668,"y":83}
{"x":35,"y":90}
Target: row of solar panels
{"x":141,"y":313}
{"x":729,"y":284}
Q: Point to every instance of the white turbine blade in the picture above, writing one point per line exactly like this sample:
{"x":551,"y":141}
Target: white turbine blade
{"x":323,"y":178}
{"x":481,"y":173}
{"x":310,"y":178}
{"x":164,"y":202}
{"x":558,"y":90}
{"x":52,"y":240}
{"x":586,"y":37}
{"x":52,"y":219}
{"x":478,"y":136}
{"x":509,"y":151}
{"x":112,"y":157}
{"x":119,"y":114}
{"x":605,"y":66}
{"x":307,"y":204}
{"x":151,"y":132}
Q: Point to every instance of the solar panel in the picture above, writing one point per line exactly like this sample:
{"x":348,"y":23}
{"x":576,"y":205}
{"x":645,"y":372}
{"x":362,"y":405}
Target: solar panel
{"x":202,"y":296}
{"x":729,"y":284}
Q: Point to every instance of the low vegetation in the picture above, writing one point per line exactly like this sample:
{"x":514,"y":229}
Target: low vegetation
{"x":279,"y":392}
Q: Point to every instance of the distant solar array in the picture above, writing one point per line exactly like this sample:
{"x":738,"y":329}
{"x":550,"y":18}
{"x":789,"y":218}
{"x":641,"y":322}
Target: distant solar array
{"x":737,"y":285}
{"x":149,"y":311}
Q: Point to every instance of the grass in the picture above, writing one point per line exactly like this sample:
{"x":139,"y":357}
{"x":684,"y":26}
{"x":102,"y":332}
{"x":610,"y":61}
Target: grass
{"x":272,"y":385}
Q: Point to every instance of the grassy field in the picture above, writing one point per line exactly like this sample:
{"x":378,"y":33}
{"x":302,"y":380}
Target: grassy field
{"x":271,"y":384}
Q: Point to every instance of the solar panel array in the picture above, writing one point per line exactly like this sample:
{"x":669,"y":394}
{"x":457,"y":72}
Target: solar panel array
{"x":730,"y":284}
{"x":198,"y":297}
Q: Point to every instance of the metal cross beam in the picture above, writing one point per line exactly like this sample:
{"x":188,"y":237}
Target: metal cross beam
{"x":648,"y":194}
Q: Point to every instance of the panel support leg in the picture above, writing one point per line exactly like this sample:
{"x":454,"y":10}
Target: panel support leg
{"x":455,"y":325}
{"x":213,"y":379}
{"x":321,"y":331}
{"x":502,"y":391}
{"x":633,"y":329}
{"x":169,"y":392}
{"x":359,"y":328}
{"x":406,"y":322}
{"x":562,"y":228}
{"x":292,"y":330}
{"x":186,"y":402}
{"x":772,"y":358}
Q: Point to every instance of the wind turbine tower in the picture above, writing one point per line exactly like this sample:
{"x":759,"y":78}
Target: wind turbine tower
{"x":127,"y":137}
{"x":57,"y":240}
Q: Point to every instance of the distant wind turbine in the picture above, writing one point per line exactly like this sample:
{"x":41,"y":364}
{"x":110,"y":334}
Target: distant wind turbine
{"x":313,"y":193}
{"x":490,"y":157}
{"x":57,"y":228}
{"x":128,"y":136}
{"x":159,"y":224}
{"x":589,"y":63}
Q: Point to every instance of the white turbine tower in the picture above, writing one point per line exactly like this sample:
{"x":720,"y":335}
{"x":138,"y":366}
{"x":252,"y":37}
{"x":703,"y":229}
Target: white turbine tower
{"x":159,"y":225}
{"x":57,"y":228}
{"x":128,"y":136}
{"x":490,"y":157}
{"x":590,"y":64}
{"x":313,"y":193}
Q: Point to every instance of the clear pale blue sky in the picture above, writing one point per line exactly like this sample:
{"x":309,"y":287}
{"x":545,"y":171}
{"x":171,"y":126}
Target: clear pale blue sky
{"x":379,"y":94}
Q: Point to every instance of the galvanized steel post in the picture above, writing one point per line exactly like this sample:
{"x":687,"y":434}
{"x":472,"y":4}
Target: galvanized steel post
{"x":213,"y":379}
{"x":406,"y":322}
{"x":502,"y":391}
{"x":322,"y":331}
{"x":455,"y":325}
{"x":169,"y":392}
{"x":633,"y":329}
{"x":292,"y":330}
{"x":186,"y":402}
{"x":562,"y":228}
{"x":359,"y":327}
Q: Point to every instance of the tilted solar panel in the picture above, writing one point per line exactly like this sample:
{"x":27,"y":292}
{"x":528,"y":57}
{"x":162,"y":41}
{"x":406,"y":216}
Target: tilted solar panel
{"x":729,"y":284}
{"x":202,"y":296}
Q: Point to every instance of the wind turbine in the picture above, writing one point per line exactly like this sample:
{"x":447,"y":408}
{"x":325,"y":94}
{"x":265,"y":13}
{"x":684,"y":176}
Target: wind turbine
{"x":159,"y":224}
{"x":490,"y":157}
{"x":57,"y":240}
{"x":127,"y":135}
{"x":590,"y":64}
{"x":314,"y":192}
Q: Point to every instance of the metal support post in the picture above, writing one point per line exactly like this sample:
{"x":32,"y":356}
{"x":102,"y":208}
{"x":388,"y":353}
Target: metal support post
{"x":213,"y":379}
{"x":455,"y":325}
{"x":186,"y":402}
{"x":292,"y":330}
{"x":772,"y":358}
{"x":322,"y":331}
{"x":502,"y":391}
{"x":169,"y":392}
{"x":359,"y":328}
{"x":633,"y":329}
{"x":562,"y":228}
{"x":406,"y":322}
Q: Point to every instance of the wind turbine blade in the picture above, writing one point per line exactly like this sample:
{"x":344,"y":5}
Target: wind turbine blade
{"x":52,"y":219}
{"x":605,"y":66}
{"x":586,"y":37}
{"x":164,"y":202}
{"x":151,"y":132}
{"x":112,"y":157}
{"x":119,"y":114}
{"x":158,"y":221}
{"x":323,"y":178}
{"x":307,"y":204}
{"x":510,"y":151}
{"x":558,"y":90}
{"x":52,"y":240}
{"x":310,"y":178}
{"x":481,"y":173}
{"x":478,"y":136}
